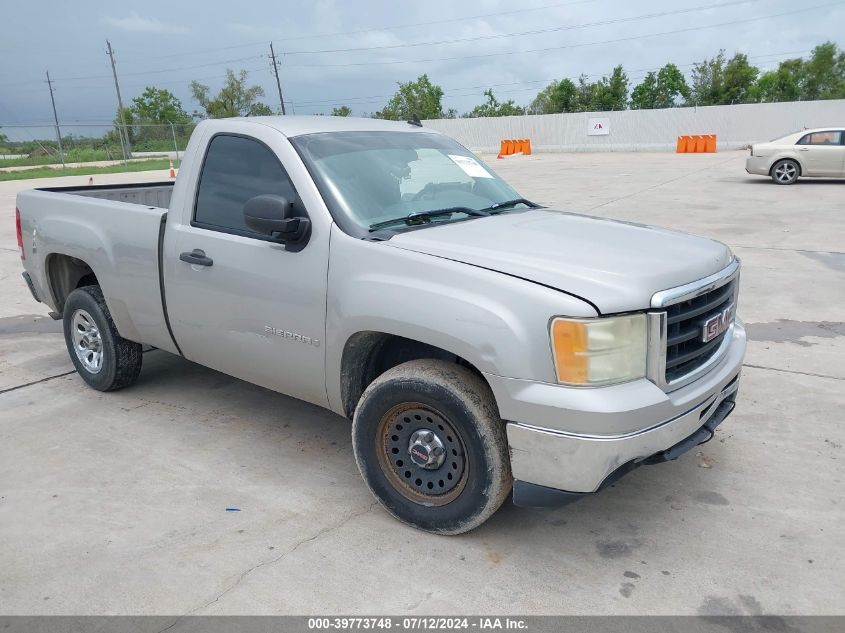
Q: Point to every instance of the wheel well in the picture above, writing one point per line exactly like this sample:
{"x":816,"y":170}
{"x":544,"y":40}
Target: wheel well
{"x":367,"y":355}
{"x":65,"y":274}
{"x":780,"y":160}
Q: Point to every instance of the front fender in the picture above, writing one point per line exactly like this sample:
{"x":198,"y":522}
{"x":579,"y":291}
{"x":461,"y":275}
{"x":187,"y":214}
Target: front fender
{"x":496,"y":322}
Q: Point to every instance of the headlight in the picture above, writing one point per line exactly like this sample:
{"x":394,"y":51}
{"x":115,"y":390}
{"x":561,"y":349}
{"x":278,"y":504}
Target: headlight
{"x":594,"y":352}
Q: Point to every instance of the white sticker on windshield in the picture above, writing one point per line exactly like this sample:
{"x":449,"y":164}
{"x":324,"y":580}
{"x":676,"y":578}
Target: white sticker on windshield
{"x":470,"y":166}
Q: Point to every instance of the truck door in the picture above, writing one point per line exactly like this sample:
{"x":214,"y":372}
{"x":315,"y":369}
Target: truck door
{"x":246,"y":305}
{"x":823,"y":153}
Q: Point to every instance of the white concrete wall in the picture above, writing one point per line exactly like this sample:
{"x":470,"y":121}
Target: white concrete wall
{"x":646,"y":130}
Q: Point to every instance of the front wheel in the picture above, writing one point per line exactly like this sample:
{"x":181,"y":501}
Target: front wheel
{"x":785,"y":172}
{"x":104,"y":359}
{"x":431,"y":446}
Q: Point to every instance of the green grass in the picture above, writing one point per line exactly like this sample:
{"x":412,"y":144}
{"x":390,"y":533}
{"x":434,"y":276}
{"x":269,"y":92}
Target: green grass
{"x":49,"y":172}
{"x":74,"y":155}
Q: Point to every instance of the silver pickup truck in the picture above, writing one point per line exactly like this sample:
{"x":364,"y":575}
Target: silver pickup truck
{"x":480,"y":343}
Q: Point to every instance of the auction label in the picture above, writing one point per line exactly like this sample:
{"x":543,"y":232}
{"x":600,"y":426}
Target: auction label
{"x":470,"y":166}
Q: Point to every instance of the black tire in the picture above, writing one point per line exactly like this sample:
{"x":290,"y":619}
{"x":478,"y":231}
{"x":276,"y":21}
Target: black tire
{"x":455,"y":403}
{"x":785,"y":172}
{"x":119,"y":359}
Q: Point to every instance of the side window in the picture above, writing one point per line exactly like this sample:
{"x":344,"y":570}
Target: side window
{"x":821,"y":138}
{"x":235,"y":170}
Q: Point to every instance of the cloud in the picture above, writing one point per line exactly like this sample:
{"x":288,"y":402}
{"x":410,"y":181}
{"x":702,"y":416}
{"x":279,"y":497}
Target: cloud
{"x":138,"y":24}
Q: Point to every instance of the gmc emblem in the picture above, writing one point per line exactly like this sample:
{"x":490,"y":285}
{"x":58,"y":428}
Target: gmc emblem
{"x":717,"y":324}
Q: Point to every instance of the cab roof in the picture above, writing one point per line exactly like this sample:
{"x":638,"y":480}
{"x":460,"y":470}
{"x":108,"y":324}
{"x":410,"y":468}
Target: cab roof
{"x":299,"y":125}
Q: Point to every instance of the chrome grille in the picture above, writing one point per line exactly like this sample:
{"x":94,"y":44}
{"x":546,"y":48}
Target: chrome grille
{"x":686,"y":350}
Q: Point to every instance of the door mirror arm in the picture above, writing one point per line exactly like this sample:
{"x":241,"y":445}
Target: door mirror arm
{"x":291,"y":230}
{"x":275,"y":216}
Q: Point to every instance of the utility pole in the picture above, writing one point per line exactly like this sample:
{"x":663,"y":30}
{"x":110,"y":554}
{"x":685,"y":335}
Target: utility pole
{"x":123,"y":133}
{"x":56,"y":119}
{"x":276,"y":72}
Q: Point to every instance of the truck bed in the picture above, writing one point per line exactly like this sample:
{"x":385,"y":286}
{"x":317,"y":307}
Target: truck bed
{"x":150,"y":194}
{"x":116,"y":230}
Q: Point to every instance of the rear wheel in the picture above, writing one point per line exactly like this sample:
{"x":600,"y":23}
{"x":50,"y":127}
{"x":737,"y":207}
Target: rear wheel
{"x":431,"y":446}
{"x":785,"y":172}
{"x":104,"y":359}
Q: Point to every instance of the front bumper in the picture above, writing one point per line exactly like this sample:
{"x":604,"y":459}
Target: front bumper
{"x":557,"y":451}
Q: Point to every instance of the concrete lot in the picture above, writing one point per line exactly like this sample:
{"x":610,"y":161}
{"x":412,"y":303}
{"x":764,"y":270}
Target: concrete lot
{"x":116,"y":503}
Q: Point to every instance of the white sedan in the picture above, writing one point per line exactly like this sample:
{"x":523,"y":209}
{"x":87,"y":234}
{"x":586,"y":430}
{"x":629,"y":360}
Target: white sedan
{"x":818,"y":153}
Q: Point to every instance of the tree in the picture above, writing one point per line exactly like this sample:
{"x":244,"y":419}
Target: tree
{"x":707,"y":80}
{"x":611,"y":92}
{"x":234,"y":99}
{"x":585,"y":94}
{"x":671,"y":85}
{"x":542,"y":103}
{"x":558,"y":96}
{"x":783,"y":84}
{"x":342,"y":111}
{"x":157,"y":105}
{"x":492,"y":107}
{"x":644,"y":94}
{"x":419,"y":98}
{"x":824,"y":73}
{"x":738,"y":80}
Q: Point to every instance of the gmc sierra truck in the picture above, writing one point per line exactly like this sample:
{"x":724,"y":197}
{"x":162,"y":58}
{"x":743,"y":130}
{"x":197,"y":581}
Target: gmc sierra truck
{"x":480,"y":344}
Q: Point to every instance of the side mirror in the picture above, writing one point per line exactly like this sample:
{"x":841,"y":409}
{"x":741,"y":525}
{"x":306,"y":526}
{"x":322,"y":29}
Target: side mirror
{"x":274,"y":216}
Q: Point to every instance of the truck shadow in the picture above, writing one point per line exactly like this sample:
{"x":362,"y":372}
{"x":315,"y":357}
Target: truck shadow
{"x":318,"y":438}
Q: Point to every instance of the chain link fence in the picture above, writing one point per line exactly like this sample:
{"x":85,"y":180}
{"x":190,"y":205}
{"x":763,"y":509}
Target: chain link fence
{"x":36,"y":145}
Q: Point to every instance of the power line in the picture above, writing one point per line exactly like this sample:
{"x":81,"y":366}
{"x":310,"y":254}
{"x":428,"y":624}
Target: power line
{"x":478,"y":56}
{"x":166,"y":70}
{"x":435,"y":43}
{"x":450,"y":91}
{"x":633,"y":75}
{"x":568,"y":46}
{"x":385,"y":28}
{"x":636,"y":71}
{"x":569,"y":27}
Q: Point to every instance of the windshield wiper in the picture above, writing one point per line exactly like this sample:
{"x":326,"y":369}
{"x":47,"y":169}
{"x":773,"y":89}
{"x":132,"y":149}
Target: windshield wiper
{"x":424,"y":217}
{"x":501,"y":206}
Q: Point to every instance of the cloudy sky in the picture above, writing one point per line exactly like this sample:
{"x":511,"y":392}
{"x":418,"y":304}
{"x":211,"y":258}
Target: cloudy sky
{"x":345,"y":52}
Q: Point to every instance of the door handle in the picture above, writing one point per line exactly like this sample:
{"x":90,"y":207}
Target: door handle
{"x":197,"y":256}
{"x":803,"y":149}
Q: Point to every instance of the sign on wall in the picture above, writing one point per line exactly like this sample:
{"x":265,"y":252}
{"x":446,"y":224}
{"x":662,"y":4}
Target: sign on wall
{"x":598,"y":127}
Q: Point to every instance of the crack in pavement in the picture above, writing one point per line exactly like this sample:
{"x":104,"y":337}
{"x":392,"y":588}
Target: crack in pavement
{"x":272,"y":561}
{"x":36,"y":382}
{"x":794,"y":371}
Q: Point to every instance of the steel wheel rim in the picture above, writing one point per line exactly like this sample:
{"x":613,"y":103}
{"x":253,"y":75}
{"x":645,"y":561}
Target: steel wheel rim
{"x":785,"y":172}
{"x":428,"y":487}
{"x":87,"y":341}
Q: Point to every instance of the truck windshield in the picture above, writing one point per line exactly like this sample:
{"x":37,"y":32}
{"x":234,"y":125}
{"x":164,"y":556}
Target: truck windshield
{"x":372,"y":180}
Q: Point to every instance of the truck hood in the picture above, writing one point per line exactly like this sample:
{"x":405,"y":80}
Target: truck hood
{"x":616,"y":266}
